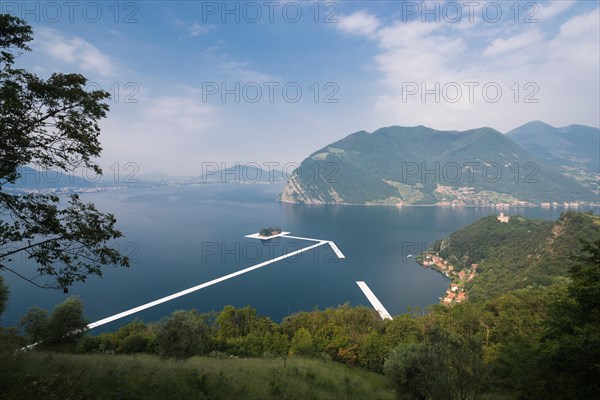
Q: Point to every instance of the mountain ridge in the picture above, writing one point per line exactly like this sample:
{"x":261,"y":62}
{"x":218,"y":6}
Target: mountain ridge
{"x":575,"y":145}
{"x":419,"y":165}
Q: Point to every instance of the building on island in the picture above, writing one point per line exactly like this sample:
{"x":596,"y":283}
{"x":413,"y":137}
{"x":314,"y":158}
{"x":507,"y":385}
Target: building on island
{"x":503,"y":218}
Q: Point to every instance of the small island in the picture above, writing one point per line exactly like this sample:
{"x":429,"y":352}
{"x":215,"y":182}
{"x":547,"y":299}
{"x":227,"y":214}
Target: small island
{"x":268,"y":232}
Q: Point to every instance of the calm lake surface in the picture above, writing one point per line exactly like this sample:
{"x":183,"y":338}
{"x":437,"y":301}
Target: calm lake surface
{"x":181,"y":237}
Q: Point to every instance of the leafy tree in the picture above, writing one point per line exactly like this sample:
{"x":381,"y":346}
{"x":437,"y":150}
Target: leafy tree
{"x":183,"y":335}
{"x":34,"y":324}
{"x":448,"y":366}
{"x":401,"y":329}
{"x":53,"y":124}
{"x":373,"y":351}
{"x":572,"y":345}
{"x":66,"y":323}
{"x":276,"y":344}
{"x":585,"y":277}
{"x":302,"y":343}
{"x":133,"y":337}
{"x":409,"y":367}
{"x":235,"y":322}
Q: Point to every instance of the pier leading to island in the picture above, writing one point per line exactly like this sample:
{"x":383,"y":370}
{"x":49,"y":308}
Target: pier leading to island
{"x":221,"y":279}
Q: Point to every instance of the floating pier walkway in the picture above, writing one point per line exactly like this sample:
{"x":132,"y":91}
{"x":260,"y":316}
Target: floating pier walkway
{"x":221,"y":279}
{"x":374,"y":300}
{"x":331,"y":244}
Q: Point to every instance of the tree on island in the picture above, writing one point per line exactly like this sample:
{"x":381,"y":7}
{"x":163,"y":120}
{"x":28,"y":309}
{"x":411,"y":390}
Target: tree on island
{"x":269,"y":231}
{"x":51,"y":124}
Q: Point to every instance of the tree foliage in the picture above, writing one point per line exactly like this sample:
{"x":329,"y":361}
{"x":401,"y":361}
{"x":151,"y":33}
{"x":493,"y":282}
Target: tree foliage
{"x":571,"y":345}
{"x":302,"y":343}
{"x":521,"y":253}
{"x":53,"y":124}
{"x":34,"y":324}
{"x":63,"y":326}
{"x":182,"y":335}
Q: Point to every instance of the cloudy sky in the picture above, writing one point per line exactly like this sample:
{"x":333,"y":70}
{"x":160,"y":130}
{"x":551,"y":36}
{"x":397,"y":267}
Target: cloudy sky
{"x":272,"y":81}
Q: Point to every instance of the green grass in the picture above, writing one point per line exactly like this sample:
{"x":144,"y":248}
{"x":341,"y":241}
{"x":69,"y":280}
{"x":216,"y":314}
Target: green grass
{"x":43,"y":375}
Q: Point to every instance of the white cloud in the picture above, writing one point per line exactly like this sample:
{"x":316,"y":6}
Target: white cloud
{"x":184,"y":112}
{"x":240,"y":71}
{"x":406,"y":33}
{"x":74,"y":51}
{"x":168,"y":132}
{"x":416,"y":51}
{"x":519,"y":42}
{"x":359,"y":23}
{"x":551,"y":9}
{"x":197,"y":29}
{"x":557,"y":65}
{"x":580,"y":26}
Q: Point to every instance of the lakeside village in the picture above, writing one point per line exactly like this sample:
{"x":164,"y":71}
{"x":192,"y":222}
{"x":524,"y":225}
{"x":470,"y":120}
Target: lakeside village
{"x":456,"y":293}
{"x":448,"y":196}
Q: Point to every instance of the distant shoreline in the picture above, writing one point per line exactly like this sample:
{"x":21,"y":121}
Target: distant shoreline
{"x":441,"y":205}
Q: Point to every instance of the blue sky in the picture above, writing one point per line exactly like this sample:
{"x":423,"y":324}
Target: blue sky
{"x":360,"y":65}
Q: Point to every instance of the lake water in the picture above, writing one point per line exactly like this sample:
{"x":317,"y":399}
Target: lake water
{"x":181,"y":237}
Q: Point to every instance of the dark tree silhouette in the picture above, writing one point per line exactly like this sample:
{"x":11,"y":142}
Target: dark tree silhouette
{"x":52,"y":124}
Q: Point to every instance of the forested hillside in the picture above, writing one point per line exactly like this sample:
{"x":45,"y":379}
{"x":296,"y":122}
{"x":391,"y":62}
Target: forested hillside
{"x":521,"y":253}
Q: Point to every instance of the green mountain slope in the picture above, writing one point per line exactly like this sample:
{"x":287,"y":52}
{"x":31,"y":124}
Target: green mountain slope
{"x":521,"y":253}
{"x":419,"y":165}
{"x":572,"y":146}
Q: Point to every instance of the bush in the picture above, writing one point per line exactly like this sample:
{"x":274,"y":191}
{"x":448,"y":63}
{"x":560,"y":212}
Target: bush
{"x":135,"y":343}
{"x":182,"y":335}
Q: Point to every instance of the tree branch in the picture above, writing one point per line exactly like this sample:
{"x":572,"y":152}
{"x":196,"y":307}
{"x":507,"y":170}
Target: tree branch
{"x":29,"y":247}
{"x":27,"y":279}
